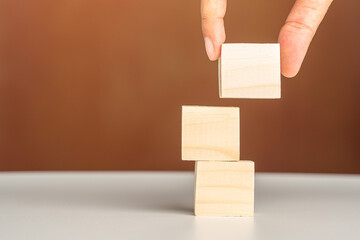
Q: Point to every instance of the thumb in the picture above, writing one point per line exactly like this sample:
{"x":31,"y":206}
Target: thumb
{"x":299,"y":29}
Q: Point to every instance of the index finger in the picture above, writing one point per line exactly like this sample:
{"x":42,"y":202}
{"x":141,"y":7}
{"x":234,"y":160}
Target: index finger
{"x":212,"y":19}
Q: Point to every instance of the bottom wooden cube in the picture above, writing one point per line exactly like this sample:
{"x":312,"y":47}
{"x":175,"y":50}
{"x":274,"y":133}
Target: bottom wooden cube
{"x":224,"y":188}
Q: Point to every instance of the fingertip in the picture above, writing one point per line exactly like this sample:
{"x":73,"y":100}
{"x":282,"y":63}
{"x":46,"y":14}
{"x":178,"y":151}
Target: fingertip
{"x":209,"y":47}
{"x":290,"y":66}
{"x":213,"y":51}
{"x":217,"y":47}
{"x":288,"y":73}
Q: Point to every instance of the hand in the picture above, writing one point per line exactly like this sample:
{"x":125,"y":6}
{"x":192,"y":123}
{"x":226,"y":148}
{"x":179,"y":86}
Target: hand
{"x":294,"y":38}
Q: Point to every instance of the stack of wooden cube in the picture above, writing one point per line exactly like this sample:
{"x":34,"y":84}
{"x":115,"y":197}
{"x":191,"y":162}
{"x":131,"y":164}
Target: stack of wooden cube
{"x":224,"y":184}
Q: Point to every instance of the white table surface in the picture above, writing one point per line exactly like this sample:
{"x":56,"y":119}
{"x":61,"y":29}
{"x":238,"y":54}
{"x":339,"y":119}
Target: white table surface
{"x":158,"y":205}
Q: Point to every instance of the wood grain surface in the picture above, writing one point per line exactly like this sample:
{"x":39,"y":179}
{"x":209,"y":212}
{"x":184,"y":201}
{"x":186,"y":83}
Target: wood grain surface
{"x":250,"y":71}
{"x":210,"y":133}
{"x":224,"y":188}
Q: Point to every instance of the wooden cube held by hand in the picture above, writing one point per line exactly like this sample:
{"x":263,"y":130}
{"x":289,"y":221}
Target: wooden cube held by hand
{"x":250,"y":70}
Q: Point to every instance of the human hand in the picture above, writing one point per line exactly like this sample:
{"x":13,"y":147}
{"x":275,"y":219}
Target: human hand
{"x":294,"y":38}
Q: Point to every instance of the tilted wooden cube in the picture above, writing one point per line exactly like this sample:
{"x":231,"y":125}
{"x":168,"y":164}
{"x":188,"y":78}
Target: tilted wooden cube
{"x":210,"y":133}
{"x":224,"y":188}
{"x":250,"y":70}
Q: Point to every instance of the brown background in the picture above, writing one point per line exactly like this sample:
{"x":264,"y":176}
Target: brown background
{"x":98,"y":85}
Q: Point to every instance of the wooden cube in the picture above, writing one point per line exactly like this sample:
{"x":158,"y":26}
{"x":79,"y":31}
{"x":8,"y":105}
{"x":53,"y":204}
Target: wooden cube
{"x":224,"y":188}
{"x":210,"y":133}
{"x":248,"y":70}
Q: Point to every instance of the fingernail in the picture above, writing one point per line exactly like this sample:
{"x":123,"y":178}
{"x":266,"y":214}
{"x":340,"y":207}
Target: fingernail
{"x":209,"y":47}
